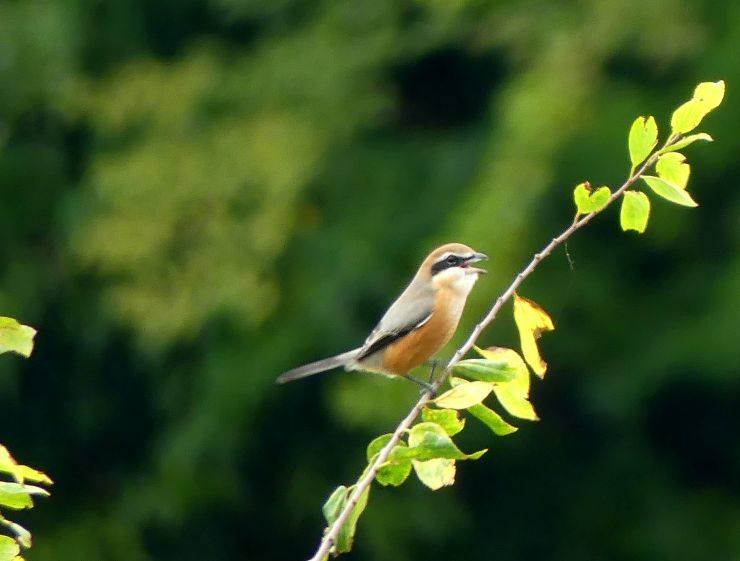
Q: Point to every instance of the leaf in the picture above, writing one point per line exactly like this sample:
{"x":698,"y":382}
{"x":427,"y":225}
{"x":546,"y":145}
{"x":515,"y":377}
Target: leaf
{"x":20,"y":472}
{"x":669,"y":191}
{"x":17,"y":496}
{"x":428,"y":441}
{"x":491,"y":419}
{"x":642,"y":139}
{"x":376,"y":445}
{"x":673,"y":168}
{"x":515,"y":403}
{"x":487,"y":416}
{"x":334,"y":504}
{"x":448,"y":419}
{"x":8,"y":548}
{"x":588,"y":201}
{"x":635,"y":211}
{"x":392,"y":472}
{"x":707,"y":96}
{"x":484,"y":370}
{"x":16,"y":337}
{"x":531,"y":321}
{"x":347,"y":534}
{"x":684,"y":142}
{"x":436,"y":473}
{"x":464,"y":395}
{"x":515,"y":363}
{"x":22,"y":535}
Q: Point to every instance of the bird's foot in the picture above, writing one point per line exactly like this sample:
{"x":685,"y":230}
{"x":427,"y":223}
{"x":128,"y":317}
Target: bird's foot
{"x":426,"y":387}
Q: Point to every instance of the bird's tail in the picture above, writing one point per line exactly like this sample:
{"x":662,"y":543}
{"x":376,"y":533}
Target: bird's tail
{"x":319,"y":366}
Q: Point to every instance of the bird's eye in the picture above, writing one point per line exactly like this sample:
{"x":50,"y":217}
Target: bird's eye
{"x":452,"y":260}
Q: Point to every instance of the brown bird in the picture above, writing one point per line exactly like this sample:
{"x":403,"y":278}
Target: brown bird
{"x":418,"y":324}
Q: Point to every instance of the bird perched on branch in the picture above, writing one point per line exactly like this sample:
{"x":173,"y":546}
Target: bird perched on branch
{"x":418,"y":324}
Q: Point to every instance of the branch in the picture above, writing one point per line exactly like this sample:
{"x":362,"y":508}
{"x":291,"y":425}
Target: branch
{"x":331,"y":533}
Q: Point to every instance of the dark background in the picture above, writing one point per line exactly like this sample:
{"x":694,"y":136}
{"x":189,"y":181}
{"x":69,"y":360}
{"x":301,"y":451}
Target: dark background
{"x":199,"y":194}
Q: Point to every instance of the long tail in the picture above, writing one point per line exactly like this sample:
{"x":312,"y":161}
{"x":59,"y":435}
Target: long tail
{"x":318,"y":366}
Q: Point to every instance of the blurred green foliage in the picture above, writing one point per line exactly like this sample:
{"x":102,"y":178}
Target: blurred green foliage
{"x":200,"y":194}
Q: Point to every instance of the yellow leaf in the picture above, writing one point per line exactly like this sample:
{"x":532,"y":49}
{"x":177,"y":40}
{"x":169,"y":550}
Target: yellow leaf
{"x":516,"y":404}
{"x":531,"y":321}
{"x":464,"y":395}
{"x":513,"y":395}
{"x":520,"y":382}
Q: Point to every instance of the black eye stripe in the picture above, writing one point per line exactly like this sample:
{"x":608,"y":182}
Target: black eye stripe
{"x":447,"y":262}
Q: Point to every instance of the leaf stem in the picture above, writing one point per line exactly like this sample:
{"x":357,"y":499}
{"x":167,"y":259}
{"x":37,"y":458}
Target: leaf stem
{"x":331,"y":533}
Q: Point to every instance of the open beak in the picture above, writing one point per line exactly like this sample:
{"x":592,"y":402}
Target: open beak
{"x":474,"y":259}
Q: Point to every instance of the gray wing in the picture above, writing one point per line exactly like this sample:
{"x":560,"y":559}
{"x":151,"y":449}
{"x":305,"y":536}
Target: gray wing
{"x":409,"y":312}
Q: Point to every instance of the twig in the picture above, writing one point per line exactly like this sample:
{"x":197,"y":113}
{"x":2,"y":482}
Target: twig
{"x":330,"y":535}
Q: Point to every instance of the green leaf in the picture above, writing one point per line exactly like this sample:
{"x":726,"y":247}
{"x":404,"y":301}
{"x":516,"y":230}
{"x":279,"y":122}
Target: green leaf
{"x":428,"y":441}
{"x":347,"y":534}
{"x":437,"y":473}
{"x":16,"y":337}
{"x":448,"y":419}
{"x":394,"y":471}
{"x":707,"y":96}
{"x":684,"y":142}
{"x":588,"y":201}
{"x":8,"y":548}
{"x":376,"y":445}
{"x":335,"y":503}
{"x":464,"y":395}
{"x":22,"y":535}
{"x":484,"y":370}
{"x":635,"y":211}
{"x":673,"y":168}
{"x":642,"y":139}
{"x":669,"y":191}
{"x":17,"y":496}
{"x":491,"y":419}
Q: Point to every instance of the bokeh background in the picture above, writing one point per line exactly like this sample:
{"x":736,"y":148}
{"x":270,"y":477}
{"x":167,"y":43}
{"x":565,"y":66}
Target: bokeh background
{"x":199,"y":194}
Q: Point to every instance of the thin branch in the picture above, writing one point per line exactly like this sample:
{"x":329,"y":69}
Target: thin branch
{"x":330,"y":535}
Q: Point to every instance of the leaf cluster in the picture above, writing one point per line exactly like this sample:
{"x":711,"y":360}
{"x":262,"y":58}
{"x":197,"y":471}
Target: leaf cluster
{"x":17,"y":494}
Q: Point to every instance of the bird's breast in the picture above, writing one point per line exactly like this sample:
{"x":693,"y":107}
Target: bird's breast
{"x":422,"y":343}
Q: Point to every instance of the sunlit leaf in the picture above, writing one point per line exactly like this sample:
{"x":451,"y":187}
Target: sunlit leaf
{"x":514,"y":362}
{"x":16,"y":337}
{"x":9,"y":548}
{"x":515,"y":403}
{"x":346,"y":535}
{"x":643,"y":137}
{"x":588,"y":200}
{"x":436,"y":473}
{"x":635,"y":211}
{"x":22,"y":535}
{"x":428,"y":441}
{"x":488,"y":416}
{"x":484,"y":370}
{"x":707,"y":96}
{"x":17,"y":496}
{"x":448,"y":419}
{"x":673,"y":168}
{"x":464,"y":395}
{"x":20,"y":472}
{"x":684,"y":142}
{"x":669,"y":191}
{"x":531,"y":321}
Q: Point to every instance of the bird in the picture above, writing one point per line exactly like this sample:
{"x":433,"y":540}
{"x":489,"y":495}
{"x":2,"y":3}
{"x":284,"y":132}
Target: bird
{"x":419,"y":322}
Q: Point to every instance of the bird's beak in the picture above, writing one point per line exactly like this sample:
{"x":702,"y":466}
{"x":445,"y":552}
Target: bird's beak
{"x":474,"y":259}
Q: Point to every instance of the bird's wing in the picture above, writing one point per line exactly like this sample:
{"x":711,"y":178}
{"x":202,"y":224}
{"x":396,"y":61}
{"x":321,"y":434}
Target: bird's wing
{"x":403,"y":317}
